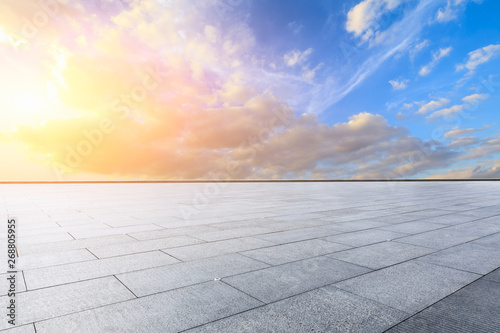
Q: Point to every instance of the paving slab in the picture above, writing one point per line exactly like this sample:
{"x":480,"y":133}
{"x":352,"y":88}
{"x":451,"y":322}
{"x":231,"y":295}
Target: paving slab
{"x":280,"y":254}
{"x":297,"y":235}
{"x":150,"y":281}
{"x":21,"y":329}
{"x":440,"y":238}
{"x":493,"y":276}
{"x":409,"y":286}
{"x":474,"y":308}
{"x":52,"y":259}
{"x":278,"y":282}
{"x":326,"y":309}
{"x":55,"y":275}
{"x":143,"y":246}
{"x":212,"y":249}
{"x":381,"y":255}
{"x":171,"y":311}
{"x":52,"y":302}
{"x":364,"y":237}
{"x":354,"y":225}
{"x":468,"y":257}
{"x":414,"y":227}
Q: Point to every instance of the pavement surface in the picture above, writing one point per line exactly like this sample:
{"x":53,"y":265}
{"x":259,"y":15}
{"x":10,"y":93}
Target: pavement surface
{"x":253,"y":257}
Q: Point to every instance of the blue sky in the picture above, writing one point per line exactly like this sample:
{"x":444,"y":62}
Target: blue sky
{"x":242,"y":89}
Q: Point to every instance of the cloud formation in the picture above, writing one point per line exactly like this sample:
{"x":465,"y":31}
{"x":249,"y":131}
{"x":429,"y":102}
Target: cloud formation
{"x":436,"y":57}
{"x":480,"y":56}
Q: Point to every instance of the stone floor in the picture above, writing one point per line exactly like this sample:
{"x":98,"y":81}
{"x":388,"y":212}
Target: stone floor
{"x":254,"y":257}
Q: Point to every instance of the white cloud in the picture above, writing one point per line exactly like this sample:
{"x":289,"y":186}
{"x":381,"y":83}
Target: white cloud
{"x":436,"y":57}
{"x":460,"y":132}
{"x":433,"y":105}
{"x":449,"y":112}
{"x":480,"y":56}
{"x":447,"y":13}
{"x":475,"y":98}
{"x":362,"y":18}
{"x":295,"y":57}
{"x":295,"y":27}
{"x":398,"y":85}
{"x":418,"y":48}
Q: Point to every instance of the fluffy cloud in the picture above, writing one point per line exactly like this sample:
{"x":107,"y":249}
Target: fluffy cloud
{"x":296,"y":57}
{"x":398,"y":85}
{"x":433,"y":105}
{"x":362,"y":19}
{"x":460,"y":132}
{"x":480,"y":56}
{"x":436,"y":57}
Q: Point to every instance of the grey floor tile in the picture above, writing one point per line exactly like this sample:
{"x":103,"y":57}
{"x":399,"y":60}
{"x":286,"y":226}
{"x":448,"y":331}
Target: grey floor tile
{"x":364,"y":237}
{"x":172,"y":232}
{"x":354,"y":225}
{"x":278,"y":282}
{"x":143,"y":246}
{"x":493,"y":276}
{"x":468,"y":257}
{"x":29,"y":328}
{"x":172,"y":311}
{"x":55,"y":275}
{"x":232,"y":233}
{"x":381,"y":255}
{"x":213,"y":249}
{"x":5,"y":284}
{"x":150,"y":281}
{"x":73,"y":244}
{"x":57,"y":301}
{"x":410,"y":286}
{"x":281,"y":254}
{"x":474,"y":308}
{"x":413,"y":227}
{"x":322,"y":310}
{"x":297,"y":235}
{"x":439,"y":239}
{"x":52,"y":259}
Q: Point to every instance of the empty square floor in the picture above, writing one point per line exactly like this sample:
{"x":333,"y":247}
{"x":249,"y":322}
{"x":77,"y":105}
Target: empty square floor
{"x":253,"y":257}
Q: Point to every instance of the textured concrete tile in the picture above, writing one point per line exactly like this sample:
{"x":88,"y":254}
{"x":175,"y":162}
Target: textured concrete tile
{"x":172,"y":311}
{"x":213,"y":249}
{"x":413,"y":227}
{"x":5,"y":284}
{"x":281,"y":254}
{"x":381,"y":255}
{"x":232,"y":233}
{"x":150,"y":281}
{"x":491,"y":240}
{"x":114,"y":231}
{"x":438,"y":239}
{"x":21,"y":329}
{"x":474,"y":308}
{"x":364,"y":237}
{"x":297,"y":235}
{"x":478,"y":228}
{"x":410,"y":286}
{"x":493,"y":276}
{"x":73,"y":244}
{"x":143,"y":246}
{"x":468,"y":257}
{"x":354,"y":225}
{"x":172,"y":232}
{"x":322,"y":310}
{"x":51,"y":276}
{"x":52,"y":259}
{"x":278,"y":282}
{"x":43,"y":239}
{"x":69,"y":298}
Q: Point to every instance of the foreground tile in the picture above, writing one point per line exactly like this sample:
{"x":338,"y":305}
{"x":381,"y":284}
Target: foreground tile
{"x":322,"y":310}
{"x":439,"y":239}
{"x":364,"y":237}
{"x":69,"y":298}
{"x":278,"y":282}
{"x":199,"y":251}
{"x":53,"y":259}
{"x":381,"y":255}
{"x":410,"y":286}
{"x":297,"y":235}
{"x":468,"y":257}
{"x":280,"y":254}
{"x":474,"y":308}
{"x":172,"y":311}
{"x":150,"y":281}
{"x":21,"y":329}
{"x":143,"y":246}
{"x":55,"y":275}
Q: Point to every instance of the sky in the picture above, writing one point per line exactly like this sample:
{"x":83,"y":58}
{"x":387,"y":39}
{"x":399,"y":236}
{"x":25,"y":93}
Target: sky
{"x":249,"y":89}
